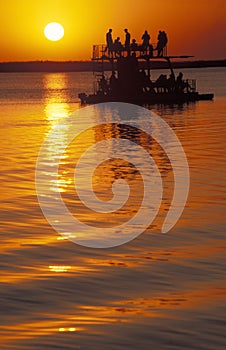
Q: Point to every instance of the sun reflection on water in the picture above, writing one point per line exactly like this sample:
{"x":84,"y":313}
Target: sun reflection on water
{"x":56,"y":109}
{"x":55,"y":268}
{"x":56,"y":97}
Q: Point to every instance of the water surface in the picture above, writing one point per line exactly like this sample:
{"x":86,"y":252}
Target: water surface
{"x":158,"y":291}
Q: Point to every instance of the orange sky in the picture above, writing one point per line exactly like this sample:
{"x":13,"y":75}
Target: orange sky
{"x":196,"y":27}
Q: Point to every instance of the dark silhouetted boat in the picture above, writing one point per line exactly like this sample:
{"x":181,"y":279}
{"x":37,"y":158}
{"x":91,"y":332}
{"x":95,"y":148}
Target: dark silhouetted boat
{"x":130,"y":79}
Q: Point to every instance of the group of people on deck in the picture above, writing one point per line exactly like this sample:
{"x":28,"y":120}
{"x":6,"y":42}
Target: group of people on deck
{"x":115,"y":47}
{"x":161,"y":85}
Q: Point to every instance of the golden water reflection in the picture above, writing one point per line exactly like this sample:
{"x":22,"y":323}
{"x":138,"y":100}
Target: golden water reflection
{"x":56,"y":109}
{"x":55,"y":268}
{"x":91,"y":318}
{"x":49,"y":285}
{"x":56,"y":97}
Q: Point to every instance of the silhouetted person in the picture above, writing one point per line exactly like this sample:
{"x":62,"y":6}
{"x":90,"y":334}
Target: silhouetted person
{"x":161,"y":83}
{"x":164,"y":39}
{"x":109,"y":41}
{"x":162,"y":42}
{"x":127,"y":40}
{"x":146,"y":38}
{"x":180,"y":84}
{"x":134,"y":45}
{"x":159,"y":44}
{"x":118,"y":47}
{"x":151,"y":50}
{"x":103,"y":85}
{"x":171,"y":82}
{"x":113,"y":83}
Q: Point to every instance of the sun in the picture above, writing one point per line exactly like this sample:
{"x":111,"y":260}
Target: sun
{"x":54,"y":31}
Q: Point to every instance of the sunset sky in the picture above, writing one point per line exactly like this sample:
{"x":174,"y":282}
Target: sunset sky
{"x":195,"y":27}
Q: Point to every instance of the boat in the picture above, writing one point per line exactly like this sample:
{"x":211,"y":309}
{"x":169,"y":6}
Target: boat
{"x":131,"y":82}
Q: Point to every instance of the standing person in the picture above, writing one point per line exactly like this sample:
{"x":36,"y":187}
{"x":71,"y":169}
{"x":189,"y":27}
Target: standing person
{"x":180,"y":85}
{"x":113,"y":83}
{"x":159,"y":47}
{"x":146,"y":38}
{"x":127,"y":40}
{"x":171,"y":83}
{"x":103,"y":85}
{"x":109,"y":41}
{"x":164,"y":40}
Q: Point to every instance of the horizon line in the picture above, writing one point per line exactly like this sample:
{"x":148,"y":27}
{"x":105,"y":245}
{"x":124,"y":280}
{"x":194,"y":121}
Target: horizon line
{"x":88,"y":61}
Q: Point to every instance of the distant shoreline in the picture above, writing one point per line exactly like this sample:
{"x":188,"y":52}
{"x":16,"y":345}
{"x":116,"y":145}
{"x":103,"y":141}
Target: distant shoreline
{"x":87,"y":66}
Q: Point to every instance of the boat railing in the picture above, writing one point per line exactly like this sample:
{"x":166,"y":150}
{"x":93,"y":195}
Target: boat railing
{"x":102,"y":52}
{"x":99,"y":51}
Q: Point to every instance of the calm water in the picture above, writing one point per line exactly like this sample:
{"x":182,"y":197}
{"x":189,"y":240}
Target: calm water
{"x":160,"y":291}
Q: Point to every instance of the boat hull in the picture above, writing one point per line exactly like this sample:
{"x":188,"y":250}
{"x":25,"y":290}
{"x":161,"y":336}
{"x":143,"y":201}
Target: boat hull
{"x":147,"y":98}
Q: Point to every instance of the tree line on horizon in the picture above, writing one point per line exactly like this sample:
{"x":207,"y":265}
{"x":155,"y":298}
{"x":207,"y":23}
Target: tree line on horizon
{"x":79,"y":66}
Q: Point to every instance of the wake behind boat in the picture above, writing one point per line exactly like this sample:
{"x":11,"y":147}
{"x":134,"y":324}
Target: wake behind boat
{"x":131,"y":83}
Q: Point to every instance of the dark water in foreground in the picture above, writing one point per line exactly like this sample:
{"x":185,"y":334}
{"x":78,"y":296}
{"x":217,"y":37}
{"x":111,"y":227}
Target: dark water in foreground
{"x":160,"y":291}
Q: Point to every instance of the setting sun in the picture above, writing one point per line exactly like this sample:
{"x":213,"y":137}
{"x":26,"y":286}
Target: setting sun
{"x":54,"y":31}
